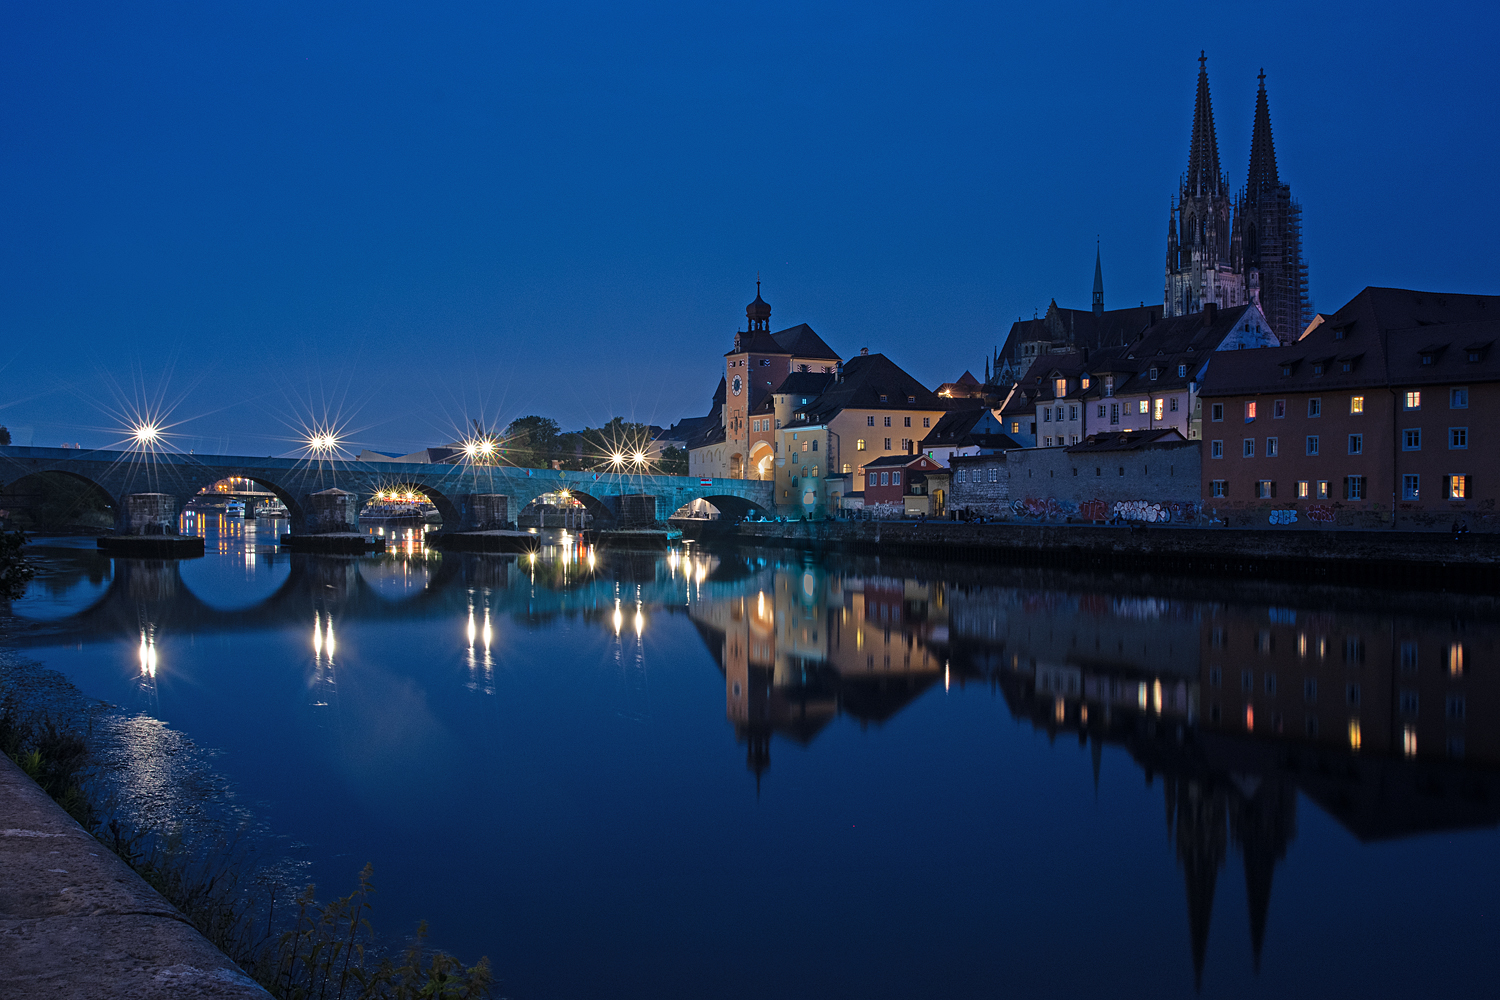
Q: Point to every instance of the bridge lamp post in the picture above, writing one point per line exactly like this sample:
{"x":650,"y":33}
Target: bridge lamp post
{"x":146,"y":434}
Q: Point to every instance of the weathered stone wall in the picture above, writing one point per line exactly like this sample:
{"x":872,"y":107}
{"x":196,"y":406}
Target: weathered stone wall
{"x":981,"y":485}
{"x":1156,"y":485}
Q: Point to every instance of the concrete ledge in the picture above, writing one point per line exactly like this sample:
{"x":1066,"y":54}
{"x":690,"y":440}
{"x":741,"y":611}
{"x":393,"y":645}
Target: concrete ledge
{"x":345,"y":542}
{"x":76,"y":922}
{"x":152,"y":546}
{"x":1414,"y":560}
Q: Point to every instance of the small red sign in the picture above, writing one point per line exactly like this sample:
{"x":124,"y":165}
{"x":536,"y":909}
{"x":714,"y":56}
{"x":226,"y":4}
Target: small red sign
{"x":705,"y":482}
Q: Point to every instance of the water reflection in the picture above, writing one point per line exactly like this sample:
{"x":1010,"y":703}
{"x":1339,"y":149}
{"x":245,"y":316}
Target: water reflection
{"x":1384,"y":717}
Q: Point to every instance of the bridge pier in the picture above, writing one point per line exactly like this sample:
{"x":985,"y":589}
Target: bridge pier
{"x":485,"y":512}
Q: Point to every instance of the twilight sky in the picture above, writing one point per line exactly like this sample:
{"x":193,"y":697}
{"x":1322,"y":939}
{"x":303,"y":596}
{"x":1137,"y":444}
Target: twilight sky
{"x":408,"y":215}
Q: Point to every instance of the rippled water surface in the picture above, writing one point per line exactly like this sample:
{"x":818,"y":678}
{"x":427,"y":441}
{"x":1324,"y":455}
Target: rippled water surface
{"x":752,"y":774}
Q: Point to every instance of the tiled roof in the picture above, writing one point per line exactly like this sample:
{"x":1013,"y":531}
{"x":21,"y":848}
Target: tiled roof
{"x":865,"y":380}
{"x":800,"y":341}
{"x":1131,"y":441}
{"x":1381,"y":335}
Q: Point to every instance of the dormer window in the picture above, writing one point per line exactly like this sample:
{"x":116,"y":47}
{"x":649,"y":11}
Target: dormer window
{"x":1339,"y":333}
{"x":1182,"y":371}
{"x":1109,"y":385}
{"x":882,"y":397}
{"x":1153,"y":374}
{"x":1286,"y":370}
{"x":1084,"y":382}
{"x":911,"y":399}
{"x":1318,"y":368}
{"x":1426,"y":359}
{"x":1473,"y":355}
{"x":1060,"y":387}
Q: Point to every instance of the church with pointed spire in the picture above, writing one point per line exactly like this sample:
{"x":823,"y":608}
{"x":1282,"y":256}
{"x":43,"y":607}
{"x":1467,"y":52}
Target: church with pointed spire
{"x":1226,"y":252}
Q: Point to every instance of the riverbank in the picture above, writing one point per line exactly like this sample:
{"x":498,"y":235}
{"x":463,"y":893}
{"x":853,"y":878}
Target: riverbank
{"x":1420,"y":560}
{"x":76,"y":921}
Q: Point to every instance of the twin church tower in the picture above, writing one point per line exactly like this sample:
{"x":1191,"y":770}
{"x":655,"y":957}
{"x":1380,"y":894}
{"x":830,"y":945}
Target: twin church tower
{"x":1232,"y":251}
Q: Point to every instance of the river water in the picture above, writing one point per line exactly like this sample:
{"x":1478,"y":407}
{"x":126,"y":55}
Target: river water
{"x":745,"y":773}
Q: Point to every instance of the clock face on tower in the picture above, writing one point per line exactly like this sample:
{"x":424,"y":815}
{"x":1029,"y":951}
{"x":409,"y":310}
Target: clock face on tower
{"x":735,"y":385}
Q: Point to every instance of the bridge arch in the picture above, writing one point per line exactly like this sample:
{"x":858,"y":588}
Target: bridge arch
{"x":289,"y":500}
{"x":730,"y":506}
{"x":53,"y":495}
{"x":447,"y":509}
{"x":592,"y":503}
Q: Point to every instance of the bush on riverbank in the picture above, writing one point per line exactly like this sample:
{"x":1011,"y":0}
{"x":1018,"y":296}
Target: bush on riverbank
{"x":328,"y":951}
{"x":16,"y":571}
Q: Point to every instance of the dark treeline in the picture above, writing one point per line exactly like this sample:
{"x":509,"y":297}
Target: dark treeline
{"x":537,"y":442}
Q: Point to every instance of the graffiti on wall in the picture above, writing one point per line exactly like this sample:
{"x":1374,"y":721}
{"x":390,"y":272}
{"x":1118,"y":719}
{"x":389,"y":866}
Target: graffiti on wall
{"x":1147,"y":511}
{"x":1283,"y":517}
{"x":1322,"y":513}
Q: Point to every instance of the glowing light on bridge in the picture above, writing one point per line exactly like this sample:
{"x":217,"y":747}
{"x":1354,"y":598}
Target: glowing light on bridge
{"x":146,"y":433}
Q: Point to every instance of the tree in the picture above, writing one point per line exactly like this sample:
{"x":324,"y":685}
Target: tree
{"x":673,"y":462}
{"x":4,"y":436}
{"x":531,"y":442}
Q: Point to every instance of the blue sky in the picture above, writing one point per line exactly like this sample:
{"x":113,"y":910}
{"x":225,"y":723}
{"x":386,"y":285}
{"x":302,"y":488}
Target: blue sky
{"x":410,"y":215}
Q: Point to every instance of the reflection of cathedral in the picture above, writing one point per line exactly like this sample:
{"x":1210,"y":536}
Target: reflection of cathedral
{"x":1237,"y":709}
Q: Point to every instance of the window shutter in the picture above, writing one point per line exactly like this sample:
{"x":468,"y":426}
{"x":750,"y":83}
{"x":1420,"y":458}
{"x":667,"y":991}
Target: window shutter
{"x":1273,"y":489}
{"x":1346,"y":487}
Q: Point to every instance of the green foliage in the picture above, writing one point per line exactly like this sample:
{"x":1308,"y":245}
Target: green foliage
{"x":4,"y":436}
{"x":532,"y":442}
{"x":16,"y":571}
{"x":54,"y":757}
{"x":673,"y":462}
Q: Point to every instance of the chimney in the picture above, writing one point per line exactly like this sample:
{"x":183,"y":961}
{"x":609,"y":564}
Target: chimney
{"x":1210,"y":313}
{"x":864,"y":352}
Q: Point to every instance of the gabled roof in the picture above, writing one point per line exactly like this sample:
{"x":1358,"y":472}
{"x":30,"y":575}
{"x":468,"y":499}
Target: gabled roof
{"x":754,"y":342}
{"x":1381,"y":333}
{"x":864,"y":381}
{"x":808,"y":384}
{"x":800,"y":341}
{"x":901,"y":462}
{"x":1130,"y":441}
{"x":1080,"y":328}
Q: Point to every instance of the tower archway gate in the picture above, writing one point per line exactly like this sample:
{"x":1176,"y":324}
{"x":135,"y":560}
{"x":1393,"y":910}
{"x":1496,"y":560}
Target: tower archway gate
{"x":453,"y":489}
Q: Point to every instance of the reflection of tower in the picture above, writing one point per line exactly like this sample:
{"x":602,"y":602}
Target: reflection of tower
{"x":1200,"y":830}
{"x":1262,"y":822}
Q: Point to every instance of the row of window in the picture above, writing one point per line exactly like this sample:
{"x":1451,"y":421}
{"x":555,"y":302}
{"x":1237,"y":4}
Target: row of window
{"x":1071,"y":439}
{"x":1455,"y":486}
{"x":1458,"y":399}
{"x":860,"y":444}
{"x":1407,"y":699}
{"x":1411,"y":440}
{"x":906,"y":421}
{"x":961,"y":475}
{"x":1354,"y":651}
{"x":886,"y":479}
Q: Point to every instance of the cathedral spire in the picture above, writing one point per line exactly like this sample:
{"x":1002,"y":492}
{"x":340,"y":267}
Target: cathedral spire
{"x":1262,"y":180}
{"x":1098,"y":283}
{"x":1203,"y":152}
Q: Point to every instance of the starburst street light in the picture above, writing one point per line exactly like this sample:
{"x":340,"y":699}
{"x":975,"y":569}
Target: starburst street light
{"x":323,"y":442}
{"x":147,"y":433}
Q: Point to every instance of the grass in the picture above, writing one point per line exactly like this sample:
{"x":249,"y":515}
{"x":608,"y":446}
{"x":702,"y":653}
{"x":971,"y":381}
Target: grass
{"x":307,"y":951}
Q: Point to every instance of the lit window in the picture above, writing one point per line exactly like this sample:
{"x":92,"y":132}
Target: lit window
{"x":1303,"y":489}
{"x":1353,"y":734}
{"x":1145,"y":405}
{"x":1157,"y":413}
{"x":1322,"y":489}
{"x":1357,"y":404}
{"x":1265,"y":489}
{"x":1249,"y":411}
{"x":1458,"y":487}
{"x":859,"y":445}
{"x":1458,"y":437}
{"x":1413,"y":400}
{"x":1455,"y":660}
{"x":1409,"y":741}
{"x":1060,"y":387}
{"x":1015,"y":426}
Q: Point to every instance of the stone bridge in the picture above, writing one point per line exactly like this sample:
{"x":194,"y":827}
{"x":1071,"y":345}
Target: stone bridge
{"x":451,"y":488}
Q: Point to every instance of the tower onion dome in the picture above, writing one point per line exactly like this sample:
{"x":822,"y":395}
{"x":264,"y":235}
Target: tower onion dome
{"x":759,"y":310}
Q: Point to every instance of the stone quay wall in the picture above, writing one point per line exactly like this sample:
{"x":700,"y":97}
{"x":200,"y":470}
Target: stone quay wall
{"x":1418,"y":560}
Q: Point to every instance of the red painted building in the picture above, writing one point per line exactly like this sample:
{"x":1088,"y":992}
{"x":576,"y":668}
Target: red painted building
{"x":891,"y":479}
{"x":1380,"y":415}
